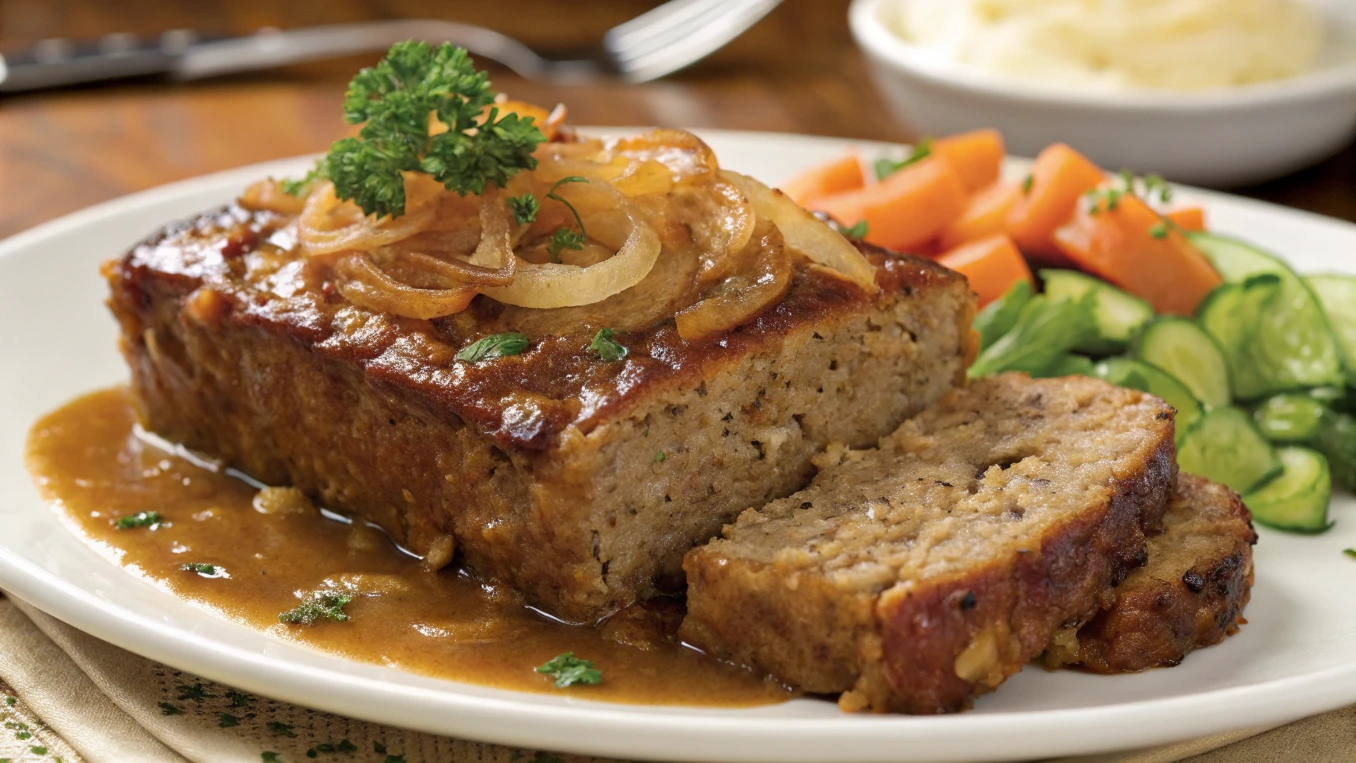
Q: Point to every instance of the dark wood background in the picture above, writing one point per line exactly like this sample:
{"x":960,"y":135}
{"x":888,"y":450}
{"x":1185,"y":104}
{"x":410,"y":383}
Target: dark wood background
{"x":798,"y":71}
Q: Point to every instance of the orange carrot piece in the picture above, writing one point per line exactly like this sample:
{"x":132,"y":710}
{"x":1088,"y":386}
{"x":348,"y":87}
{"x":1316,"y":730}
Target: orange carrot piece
{"x":1059,"y":178}
{"x":1120,"y":246}
{"x":905,"y":210}
{"x":1188,"y":218}
{"x":991,"y":265}
{"x":977,"y":156}
{"x":837,"y":176}
{"x":986,"y":214}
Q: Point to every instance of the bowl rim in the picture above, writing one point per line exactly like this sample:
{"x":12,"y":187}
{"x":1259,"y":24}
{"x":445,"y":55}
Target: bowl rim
{"x":882,"y":43}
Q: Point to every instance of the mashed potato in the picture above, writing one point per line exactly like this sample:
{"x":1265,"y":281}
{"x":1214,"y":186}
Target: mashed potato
{"x":1119,"y":44}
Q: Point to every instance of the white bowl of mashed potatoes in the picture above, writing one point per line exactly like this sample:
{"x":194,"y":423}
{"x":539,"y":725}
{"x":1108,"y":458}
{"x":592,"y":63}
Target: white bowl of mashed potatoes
{"x":1213,"y":92}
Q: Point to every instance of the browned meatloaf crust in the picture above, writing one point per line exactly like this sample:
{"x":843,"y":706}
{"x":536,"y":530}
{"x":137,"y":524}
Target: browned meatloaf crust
{"x":1190,"y":594}
{"x":915,"y":576}
{"x":579,"y":481}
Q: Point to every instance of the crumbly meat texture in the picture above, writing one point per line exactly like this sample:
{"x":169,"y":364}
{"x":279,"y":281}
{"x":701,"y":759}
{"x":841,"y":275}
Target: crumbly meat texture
{"x":580,"y":482}
{"x":1190,"y":595}
{"x":912,"y":577}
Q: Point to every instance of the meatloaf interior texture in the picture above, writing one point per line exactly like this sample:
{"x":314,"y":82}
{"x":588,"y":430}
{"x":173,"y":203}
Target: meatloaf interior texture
{"x":914,"y":576}
{"x":1189,"y":595}
{"x":579,"y":481}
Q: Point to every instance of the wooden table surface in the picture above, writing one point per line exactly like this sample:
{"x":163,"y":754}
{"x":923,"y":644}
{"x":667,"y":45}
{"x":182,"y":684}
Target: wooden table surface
{"x":797,"y":71}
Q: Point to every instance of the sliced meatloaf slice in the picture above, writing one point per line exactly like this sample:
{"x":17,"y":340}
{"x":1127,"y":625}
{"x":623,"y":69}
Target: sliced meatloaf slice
{"x":1189,"y":595}
{"x":581,"y":482}
{"x":917,"y":575}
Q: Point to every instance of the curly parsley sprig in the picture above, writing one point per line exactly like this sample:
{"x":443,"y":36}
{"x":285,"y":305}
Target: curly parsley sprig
{"x":393,"y":101}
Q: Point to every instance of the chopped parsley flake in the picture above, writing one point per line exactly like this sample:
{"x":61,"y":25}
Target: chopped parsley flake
{"x":855,"y":232}
{"x":10,"y":700}
{"x":607,"y":348}
{"x":659,"y":456}
{"x":1351,"y":552}
{"x":393,"y":101}
{"x":346,"y":746}
{"x":281,"y":728}
{"x":570,"y":670}
{"x":226,"y":720}
{"x":886,"y":167}
{"x":524,"y":208}
{"x":196,"y":692}
{"x":139,"y":519}
{"x":378,"y":748}
{"x":38,"y":750}
{"x":240,"y":699}
{"x":168,"y":709}
{"x":493,"y":346}
{"x":202,"y":568}
{"x":1159,"y":230}
{"x":1027,"y":182}
{"x":270,"y":757}
{"x":324,"y":605}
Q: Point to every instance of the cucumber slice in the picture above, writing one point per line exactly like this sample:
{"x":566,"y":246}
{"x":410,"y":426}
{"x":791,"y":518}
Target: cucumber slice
{"x":1290,"y":417}
{"x":1297,"y":500}
{"x":1228,"y":315}
{"x":1068,"y":365}
{"x":1285,"y":345}
{"x":1337,"y":295}
{"x":1224,"y":445}
{"x":1337,"y":440}
{"x":1185,"y":350}
{"x":1118,"y":315}
{"x":999,"y":316}
{"x":1124,"y":372}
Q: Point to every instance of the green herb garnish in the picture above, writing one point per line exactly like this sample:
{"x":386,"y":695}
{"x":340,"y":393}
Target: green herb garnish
{"x":324,"y":605}
{"x":239,"y":699}
{"x":168,"y":709}
{"x":202,"y":568}
{"x":197,"y":692}
{"x":886,"y":167}
{"x":139,"y":519}
{"x":226,"y":720}
{"x":1159,"y":230}
{"x":38,"y":750}
{"x":393,"y":101}
{"x":855,"y":232}
{"x":659,"y":456}
{"x":278,"y":727}
{"x":346,"y":746}
{"x":1027,"y":182}
{"x":566,"y":238}
{"x":607,"y":348}
{"x":269,"y":757}
{"x":493,"y":346}
{"x":10,"y":701}
{"x":570,"y":670}
{"x":524,"y":208}
{"x":1351,"y":552}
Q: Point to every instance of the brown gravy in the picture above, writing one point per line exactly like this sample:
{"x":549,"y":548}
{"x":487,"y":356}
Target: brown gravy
{"x":88,"y":460}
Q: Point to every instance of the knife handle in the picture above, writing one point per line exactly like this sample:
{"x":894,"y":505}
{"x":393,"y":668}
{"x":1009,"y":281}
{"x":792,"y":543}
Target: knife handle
{"x":58,"y":63}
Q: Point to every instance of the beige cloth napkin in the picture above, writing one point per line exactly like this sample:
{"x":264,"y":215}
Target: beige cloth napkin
{"x":80,"y":699}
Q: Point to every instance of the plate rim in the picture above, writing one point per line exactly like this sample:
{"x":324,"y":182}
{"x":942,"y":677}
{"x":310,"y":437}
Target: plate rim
{"x":599,"y":728}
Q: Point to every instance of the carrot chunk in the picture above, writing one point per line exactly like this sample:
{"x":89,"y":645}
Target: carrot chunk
{"x":841,"y":174}
{"x":1188,"y":218}
{"x":991,"y":265}
{"x":977,"y":156}
{"x":1058,"y":178}
{"x":905,"y":210}
{"x":986,"y":213}
{"x":1130,"y":247}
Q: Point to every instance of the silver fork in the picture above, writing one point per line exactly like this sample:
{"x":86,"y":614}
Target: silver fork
{"x":658,"y":42}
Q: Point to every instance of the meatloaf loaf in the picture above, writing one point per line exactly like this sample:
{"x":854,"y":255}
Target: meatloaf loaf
{"x":581,"y":482}
{"x":1190,"y":594}
{"x":915,"y":576}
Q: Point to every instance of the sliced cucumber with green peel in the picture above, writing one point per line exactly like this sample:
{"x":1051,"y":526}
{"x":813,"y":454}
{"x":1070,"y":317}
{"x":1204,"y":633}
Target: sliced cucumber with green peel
{"x":1124,"y":372}
{"x":1225,"y":445}
{"x":1336,"y":438}
{"x":1118,"y":315}
{"x":1337,"y":295}
{"x":999,"y":316}
{"x":1281,"y":344}
{"x":1297,"y":499}
{"x":1182,"y":348}
{"x":1292,"y":417}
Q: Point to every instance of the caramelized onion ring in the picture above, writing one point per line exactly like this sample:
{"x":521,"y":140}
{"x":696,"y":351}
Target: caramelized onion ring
{"x":319,"y":234}
{"x":805,"y":233}
{"x":762,"y":278}
{"x":366,"y":286}
{"x":549,"y":285}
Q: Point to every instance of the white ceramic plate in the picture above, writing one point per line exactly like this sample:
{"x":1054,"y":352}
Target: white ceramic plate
{"x":1296,"y":657}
